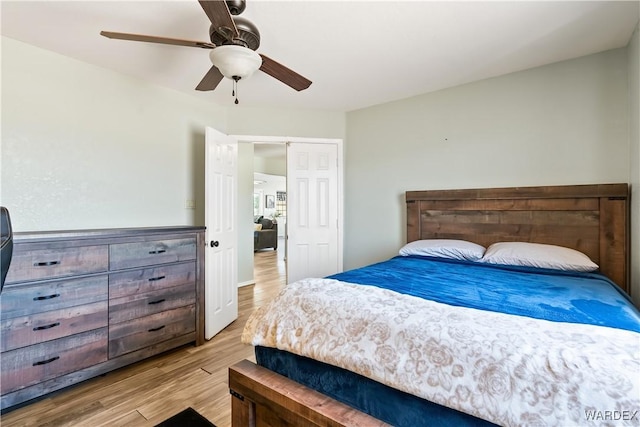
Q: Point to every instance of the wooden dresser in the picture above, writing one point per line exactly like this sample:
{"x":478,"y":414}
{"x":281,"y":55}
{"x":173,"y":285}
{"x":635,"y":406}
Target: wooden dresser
{"x":77,"y":304}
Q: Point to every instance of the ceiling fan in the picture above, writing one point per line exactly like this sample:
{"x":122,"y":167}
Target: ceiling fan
{"x":234,"y":41}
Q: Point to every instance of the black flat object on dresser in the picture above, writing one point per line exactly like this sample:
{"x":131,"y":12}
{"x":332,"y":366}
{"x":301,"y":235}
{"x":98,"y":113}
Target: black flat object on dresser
{"x":6,"y":244}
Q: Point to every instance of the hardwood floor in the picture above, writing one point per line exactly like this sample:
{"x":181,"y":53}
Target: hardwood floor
{"x":150,"y":391}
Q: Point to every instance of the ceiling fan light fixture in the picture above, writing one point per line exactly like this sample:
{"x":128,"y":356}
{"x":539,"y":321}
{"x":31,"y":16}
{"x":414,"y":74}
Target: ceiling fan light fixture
{"x":235,"y":61}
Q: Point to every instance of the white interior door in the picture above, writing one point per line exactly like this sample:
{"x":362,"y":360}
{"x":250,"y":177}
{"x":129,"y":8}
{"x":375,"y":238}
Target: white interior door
{"x":312,"y":210}
{"x":221,"y":254}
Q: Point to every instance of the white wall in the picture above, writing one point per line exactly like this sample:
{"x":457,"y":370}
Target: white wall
{"x":84,"y":147}
{"x":245,"y":214}
{"x":633,"y":54}
{"x":286,"y":122}
{"x":564,"y":123}
{"x":271,"y":166}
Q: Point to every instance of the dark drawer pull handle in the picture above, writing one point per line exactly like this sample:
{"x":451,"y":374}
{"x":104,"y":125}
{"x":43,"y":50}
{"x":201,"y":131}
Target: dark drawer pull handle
{"x":156,"y":329}
{"x":41,"y":328}
{"x":44,"y":362}
{"x":46,"y":297}
{"x":155,"y":279}
{"x":46,"y":263}
{"x":159,"y":251}
{"x":157,"y":302}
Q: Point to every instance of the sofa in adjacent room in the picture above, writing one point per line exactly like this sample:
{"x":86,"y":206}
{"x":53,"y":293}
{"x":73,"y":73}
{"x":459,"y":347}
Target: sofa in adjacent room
{"x":265,"y":234}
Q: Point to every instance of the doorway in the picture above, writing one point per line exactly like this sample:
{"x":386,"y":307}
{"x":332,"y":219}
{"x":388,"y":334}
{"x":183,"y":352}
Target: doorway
{"x":248,"y":146}
{"x":270,"y":209}
{"x":314,"y":215}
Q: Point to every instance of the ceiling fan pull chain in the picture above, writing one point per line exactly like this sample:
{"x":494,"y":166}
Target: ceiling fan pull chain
{"x":234,"y":92}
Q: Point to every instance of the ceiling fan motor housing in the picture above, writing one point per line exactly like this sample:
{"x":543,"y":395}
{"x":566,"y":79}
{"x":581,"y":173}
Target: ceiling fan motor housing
{"x":248,"y":34}
{"x":236,"y":7}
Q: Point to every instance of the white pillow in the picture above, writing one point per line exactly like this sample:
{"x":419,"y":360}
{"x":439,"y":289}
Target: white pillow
{"x":444,"y":248}
{"x":538,"y":255}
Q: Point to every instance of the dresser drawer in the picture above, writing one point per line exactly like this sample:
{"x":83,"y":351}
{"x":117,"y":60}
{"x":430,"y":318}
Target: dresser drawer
{"x":150,"y":279}
{"x":135,"y":334}
{"x":140,"y":305}
{"x":36,"y":264}
{"x":37,"y":328}
{"x":139,"y":254}
{"x":31,"y":365}
{"x":31,"y":299}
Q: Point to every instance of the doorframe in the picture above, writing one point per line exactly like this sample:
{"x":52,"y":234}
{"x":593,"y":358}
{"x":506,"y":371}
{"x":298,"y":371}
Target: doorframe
{"x":340,"y":196}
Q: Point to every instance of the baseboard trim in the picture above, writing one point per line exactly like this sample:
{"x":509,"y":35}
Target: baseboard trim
{"x":247,"y":283}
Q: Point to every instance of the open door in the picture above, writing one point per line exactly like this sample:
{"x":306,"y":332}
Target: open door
{"x":221,"y":254}
{"x":313,"y":206}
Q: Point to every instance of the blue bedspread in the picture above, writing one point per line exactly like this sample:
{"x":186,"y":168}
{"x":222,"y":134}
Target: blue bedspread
{"x":589,"y":298}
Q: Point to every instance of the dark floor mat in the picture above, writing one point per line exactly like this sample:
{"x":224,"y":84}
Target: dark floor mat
{"x":187,"y":418}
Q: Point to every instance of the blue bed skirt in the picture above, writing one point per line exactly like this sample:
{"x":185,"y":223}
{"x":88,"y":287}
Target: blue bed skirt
{"x":384,"y":403}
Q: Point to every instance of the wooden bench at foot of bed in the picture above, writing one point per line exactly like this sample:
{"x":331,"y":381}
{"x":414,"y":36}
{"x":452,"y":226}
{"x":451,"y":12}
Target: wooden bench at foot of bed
{"x":261,"y":397}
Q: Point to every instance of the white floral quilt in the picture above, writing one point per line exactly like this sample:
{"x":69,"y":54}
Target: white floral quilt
{"x":510,"y":370}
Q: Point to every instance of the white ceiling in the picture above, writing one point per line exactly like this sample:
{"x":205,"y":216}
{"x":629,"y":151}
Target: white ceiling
{"x":357,"y":53}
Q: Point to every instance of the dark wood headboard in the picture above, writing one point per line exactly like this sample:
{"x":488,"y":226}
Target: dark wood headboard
{"x":593,"y":219}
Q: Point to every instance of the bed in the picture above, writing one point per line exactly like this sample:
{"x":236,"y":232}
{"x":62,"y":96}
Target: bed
{"x":560,"y":347}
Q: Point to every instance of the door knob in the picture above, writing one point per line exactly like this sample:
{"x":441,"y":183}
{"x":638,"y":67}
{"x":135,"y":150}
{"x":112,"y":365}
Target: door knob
{"x":214,"y":243}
